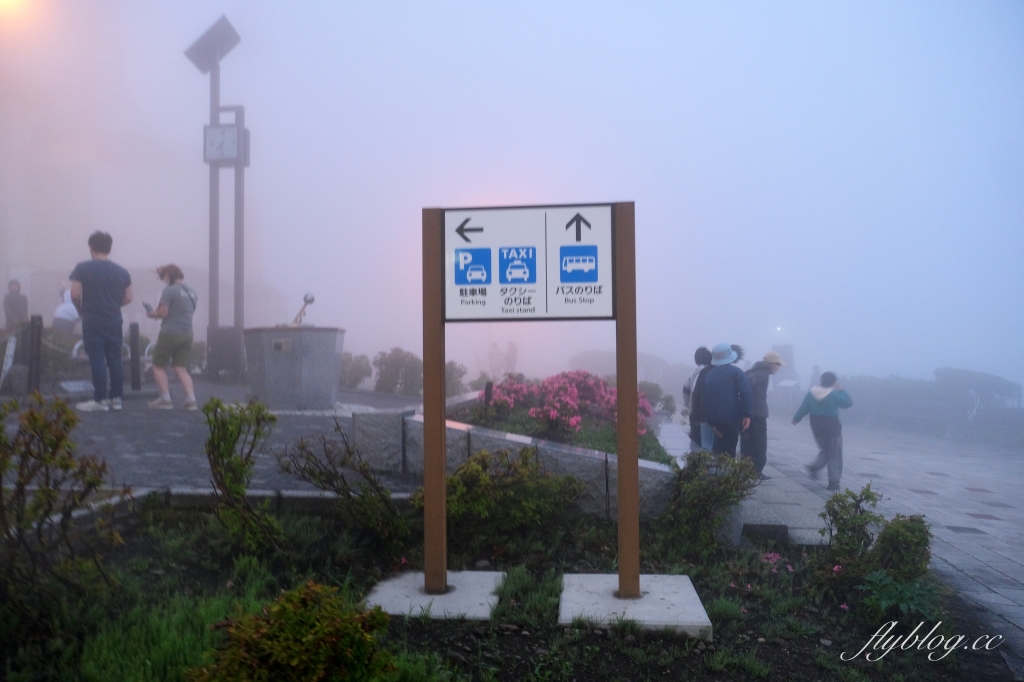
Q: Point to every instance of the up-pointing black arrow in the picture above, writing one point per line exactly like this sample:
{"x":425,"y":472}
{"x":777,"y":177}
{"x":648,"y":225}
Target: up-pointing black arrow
{"x":461,"y":230}
{"x":580,"y":221}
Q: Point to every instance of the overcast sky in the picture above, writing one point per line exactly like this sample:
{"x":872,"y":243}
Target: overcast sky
{"x":845,"y":178}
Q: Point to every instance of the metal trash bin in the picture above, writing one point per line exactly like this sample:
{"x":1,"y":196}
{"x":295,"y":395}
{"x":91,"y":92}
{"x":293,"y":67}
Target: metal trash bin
{"x":294,"y":368}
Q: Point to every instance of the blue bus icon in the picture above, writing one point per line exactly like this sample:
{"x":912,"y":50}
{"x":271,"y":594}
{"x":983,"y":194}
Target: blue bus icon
{"x":472,"y":266}
{"x":578,"y":263}
{"x":517,"y":264}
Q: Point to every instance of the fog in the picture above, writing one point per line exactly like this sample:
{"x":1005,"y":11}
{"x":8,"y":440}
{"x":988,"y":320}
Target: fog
{"x":846,"y":179}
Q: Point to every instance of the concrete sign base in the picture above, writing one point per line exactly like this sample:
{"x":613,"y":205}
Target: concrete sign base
{"x":471,"y":595}
{"x":668,"y":602}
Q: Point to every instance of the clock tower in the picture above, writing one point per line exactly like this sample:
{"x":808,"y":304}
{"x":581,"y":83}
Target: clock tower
{"x":225,"y":145}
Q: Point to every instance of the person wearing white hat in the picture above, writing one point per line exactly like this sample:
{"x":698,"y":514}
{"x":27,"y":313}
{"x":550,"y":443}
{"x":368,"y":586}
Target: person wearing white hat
{"x":754,"y":441}
{"x":727,"y":401}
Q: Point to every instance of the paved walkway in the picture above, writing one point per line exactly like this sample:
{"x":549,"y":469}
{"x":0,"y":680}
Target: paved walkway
{"x":970,"y":494}
{"x":148,"y":448}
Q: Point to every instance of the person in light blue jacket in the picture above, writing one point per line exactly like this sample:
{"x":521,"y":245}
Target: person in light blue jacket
{"x":823,"y":403}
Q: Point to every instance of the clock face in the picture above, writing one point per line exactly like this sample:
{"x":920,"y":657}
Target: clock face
{"x":221,"y":143}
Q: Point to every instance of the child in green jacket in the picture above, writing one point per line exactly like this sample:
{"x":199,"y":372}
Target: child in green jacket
{"x":823,"y":403}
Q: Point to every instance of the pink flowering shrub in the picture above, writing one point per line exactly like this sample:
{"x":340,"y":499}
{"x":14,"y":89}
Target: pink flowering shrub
{"x":514,"y":390}
{"x":561,"y":402}
{"x":574,"y":407}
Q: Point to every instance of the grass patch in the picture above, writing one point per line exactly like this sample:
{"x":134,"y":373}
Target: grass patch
{"x":745,"y":662}
{"x":528,"y":600}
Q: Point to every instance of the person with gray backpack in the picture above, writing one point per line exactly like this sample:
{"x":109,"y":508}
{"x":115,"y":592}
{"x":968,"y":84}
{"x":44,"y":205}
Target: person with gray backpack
{"x":174,"y":344}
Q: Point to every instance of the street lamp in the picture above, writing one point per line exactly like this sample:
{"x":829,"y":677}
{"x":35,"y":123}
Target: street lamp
{"x":224,"y":145}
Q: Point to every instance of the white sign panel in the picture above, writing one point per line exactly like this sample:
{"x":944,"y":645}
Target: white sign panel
{"x":528,"y":263}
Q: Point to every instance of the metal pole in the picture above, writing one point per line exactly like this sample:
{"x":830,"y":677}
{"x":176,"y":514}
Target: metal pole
{"x":240,"y":225}
{"x":624,"y":234}
{"x":136,"y":356}
{"x":214,"y":294}
{"x":435,"y":512}
{"x":35,"y":352}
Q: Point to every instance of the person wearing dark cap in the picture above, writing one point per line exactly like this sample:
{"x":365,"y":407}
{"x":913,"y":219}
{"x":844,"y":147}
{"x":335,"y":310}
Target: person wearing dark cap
{"x":727,"y":400}
{"x":99,"y":288}
{"x":754,"y":441}
{"x":823,"y":403}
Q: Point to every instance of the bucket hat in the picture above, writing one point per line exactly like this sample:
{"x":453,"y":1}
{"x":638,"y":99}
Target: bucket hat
{"x":722,"y":354}
{"x":774,"y":358}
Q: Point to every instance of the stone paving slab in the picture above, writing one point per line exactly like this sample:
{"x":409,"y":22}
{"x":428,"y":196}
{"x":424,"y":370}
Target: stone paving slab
{"x":957,"y":486}
{"x":969,"y":493}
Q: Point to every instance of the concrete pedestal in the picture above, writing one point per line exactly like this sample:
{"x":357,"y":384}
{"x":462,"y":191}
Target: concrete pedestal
{"x":471,"y":595}
{"x":668,"y":602}
{"x":294,"y":368}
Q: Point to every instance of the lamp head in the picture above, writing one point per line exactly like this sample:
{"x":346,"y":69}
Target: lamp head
{"x":213,"y":45}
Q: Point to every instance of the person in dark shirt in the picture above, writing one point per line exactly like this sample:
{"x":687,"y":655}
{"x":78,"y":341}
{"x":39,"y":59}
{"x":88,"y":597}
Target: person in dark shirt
{"x":754,"y":441}
{"x":15,"y":307}
{"x":727,"y":400}
{"x":99,"y":288}
{"x":701,"y":435}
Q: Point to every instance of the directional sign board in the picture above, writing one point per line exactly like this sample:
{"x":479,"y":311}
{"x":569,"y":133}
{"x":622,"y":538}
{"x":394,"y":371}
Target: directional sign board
{"x":529,"y":263}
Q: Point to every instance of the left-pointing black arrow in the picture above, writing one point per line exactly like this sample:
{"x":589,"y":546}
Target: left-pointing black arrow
{"x":461,"y":230}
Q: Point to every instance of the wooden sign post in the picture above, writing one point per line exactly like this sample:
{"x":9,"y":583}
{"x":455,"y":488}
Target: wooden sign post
{"x":574,"y":262}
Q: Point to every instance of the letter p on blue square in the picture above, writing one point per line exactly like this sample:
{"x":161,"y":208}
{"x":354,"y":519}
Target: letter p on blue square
{"x":472,"y":266}
{"x":578,"y":263}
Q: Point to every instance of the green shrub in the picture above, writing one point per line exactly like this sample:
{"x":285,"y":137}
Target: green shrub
{"x":652,"y":391}
{"x":309,"y":633}
{"x":602,"y":436}
{"x":453,"y":375}
{"x":491,"y":498}
{"x":703,"y":493}
{"x":849,"y":526}
{"x":46,"y":558}
{"x":901,"y":548}
{"x":884,"y":597}
{"x":237,"y":435}
{"x":365,"y":507}
{"x":354,"y":369}
{"x":398,"y":371}
{"x":480,"y":382}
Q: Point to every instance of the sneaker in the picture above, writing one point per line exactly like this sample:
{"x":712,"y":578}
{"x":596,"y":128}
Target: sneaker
{"x":161,"y":404}
{"x":834,"y":487}
{"x":764,"y":478}
{"x":93,"y":406}
{"x":190,"y":405}
{"x":115,"y":404}
{"x":813,"y":473}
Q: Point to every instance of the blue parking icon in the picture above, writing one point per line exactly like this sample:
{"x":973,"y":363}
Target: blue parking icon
{"x":578,"y":263}
{"x":517,"y":265}
{"x":472,"y":266}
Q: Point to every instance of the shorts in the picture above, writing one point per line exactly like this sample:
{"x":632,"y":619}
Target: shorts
{"x":172,"y":349}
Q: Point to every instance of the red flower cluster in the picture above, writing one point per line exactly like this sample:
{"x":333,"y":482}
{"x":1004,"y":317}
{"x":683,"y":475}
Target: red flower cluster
{"x":561,"y":401}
